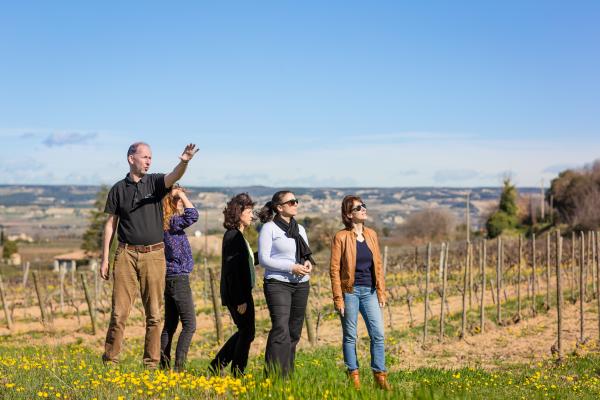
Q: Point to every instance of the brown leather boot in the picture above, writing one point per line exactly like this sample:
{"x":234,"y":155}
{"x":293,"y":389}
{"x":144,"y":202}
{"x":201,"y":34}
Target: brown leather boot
{"x":353,"y":375}
{"x":381,"y":380}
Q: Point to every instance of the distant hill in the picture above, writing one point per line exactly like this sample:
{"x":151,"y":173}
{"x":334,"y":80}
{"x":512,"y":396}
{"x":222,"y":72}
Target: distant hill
{"x":83,"y":196}
{"x":62,"y":211}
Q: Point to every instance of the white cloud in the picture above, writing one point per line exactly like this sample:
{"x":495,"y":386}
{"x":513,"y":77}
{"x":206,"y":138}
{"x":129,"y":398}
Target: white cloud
{"x":454,"y":175}
{"x":72,"y":138}
{"x":439,"y":159}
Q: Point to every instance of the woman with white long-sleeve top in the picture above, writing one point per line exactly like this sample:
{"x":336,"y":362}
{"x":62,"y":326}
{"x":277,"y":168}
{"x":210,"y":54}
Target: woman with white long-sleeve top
{"x":284,"y":253}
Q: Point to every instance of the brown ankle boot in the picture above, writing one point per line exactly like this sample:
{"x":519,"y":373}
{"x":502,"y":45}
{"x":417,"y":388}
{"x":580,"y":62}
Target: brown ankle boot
{"x":353,"y":375}
{"x":381,"y":380}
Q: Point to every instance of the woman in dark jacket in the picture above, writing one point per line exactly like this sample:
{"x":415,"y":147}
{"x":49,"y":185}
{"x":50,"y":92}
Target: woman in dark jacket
{"x":237,"y":281}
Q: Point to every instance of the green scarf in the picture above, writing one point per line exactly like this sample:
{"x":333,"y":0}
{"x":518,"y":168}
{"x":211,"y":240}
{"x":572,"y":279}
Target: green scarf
{"x":251,"y":263}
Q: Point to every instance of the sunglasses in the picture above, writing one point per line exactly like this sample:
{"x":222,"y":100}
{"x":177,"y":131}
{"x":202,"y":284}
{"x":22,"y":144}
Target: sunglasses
{"x":292,"y":202}
{"x":359,"y":207}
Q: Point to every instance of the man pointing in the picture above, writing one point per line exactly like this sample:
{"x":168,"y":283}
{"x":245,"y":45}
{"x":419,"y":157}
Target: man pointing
{"x":134,"y":208}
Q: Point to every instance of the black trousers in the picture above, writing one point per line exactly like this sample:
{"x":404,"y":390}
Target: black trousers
{"x":179,"y":305}
{"x":287,"y":306}
{"x":237,"y":347}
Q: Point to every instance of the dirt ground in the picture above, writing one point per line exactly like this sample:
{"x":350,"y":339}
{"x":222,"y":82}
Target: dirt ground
{"x":529,"y":340}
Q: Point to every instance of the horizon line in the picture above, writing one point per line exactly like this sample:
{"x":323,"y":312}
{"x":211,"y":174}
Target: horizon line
{"x":286,"y":187}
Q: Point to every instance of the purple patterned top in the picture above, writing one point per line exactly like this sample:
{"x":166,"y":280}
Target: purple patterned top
{"x":177,"y":247}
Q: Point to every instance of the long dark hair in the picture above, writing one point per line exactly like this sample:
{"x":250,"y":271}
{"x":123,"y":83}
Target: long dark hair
{"x":235,"y":208}
{"x":269,"y":210}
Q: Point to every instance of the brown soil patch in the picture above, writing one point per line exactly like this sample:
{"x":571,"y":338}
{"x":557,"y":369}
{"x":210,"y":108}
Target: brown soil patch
{"x":527,"y":341}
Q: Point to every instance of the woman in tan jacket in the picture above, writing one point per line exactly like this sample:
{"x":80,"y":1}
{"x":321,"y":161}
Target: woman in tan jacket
{"x":358,"y":285}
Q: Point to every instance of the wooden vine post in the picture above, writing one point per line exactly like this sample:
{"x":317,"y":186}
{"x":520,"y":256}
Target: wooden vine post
{"x":89,"y":301}
{"x":533,"y":277}
{"x":463,"y":325}
{"x":519,"y":277}
{"x":40,"y":298}
{"x":9,"y":323}
{"x":444,"y":282}
{"x":559,"y":294}
{"x":498,"y":281}
{"x":598,"y":280}
{"x":548,"y":271}
{"x":427,"y":276}
{"x":573,"y":262}
{"x":216,"y":306}
{"x":581,"y":286}
{"x":482,"y":261}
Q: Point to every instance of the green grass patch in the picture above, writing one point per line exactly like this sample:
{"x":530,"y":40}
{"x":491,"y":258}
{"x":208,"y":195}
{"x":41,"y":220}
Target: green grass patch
{"x":76,"y":372}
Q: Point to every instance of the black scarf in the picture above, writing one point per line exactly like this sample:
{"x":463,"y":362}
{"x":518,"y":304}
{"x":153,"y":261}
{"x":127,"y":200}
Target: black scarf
{"x":303,"y":252}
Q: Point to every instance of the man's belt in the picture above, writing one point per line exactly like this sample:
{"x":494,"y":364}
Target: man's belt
{"x":141,"y":248}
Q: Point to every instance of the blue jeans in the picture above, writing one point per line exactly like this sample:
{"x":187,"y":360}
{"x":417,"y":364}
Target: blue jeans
{"x":363,"y":299}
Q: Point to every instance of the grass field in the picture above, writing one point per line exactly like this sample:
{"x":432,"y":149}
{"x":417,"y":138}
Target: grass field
{"x":76,"y":372}
{"x":510,"y":360}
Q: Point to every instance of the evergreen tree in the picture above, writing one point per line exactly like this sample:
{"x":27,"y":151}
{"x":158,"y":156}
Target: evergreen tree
{"x":92,"y":238}
{"x":508,"y":199}
{"x":506,"y":217}
{"x":10,"y":248}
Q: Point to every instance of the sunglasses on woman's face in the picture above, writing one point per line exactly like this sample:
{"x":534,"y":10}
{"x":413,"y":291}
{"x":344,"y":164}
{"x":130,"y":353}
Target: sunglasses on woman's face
{"x":292,"y":202}
{"x":359,"y":207}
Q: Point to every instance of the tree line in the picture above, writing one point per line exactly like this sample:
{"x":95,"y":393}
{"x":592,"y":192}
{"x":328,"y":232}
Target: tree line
{"x":572,"y":201}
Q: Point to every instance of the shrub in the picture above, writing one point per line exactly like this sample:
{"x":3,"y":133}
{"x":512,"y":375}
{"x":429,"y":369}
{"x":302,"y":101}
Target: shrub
{"x":429,"y":224}
{"x":499,"y":222}
{"x":10,"y":248}
{"x":506,"y":217}
{"x":576,"y":195}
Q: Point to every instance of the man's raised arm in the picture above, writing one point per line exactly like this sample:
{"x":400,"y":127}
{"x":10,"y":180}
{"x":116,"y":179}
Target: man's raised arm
{"x":109,"y":232}
{"x":173,"y":176}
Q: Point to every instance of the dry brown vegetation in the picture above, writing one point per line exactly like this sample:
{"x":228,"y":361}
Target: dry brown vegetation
{"x":576,"y":196}
{"x":528,"y":338}
{"x":432,"y":224}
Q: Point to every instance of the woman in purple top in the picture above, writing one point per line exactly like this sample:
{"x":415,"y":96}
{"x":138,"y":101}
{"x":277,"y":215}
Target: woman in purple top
{"x":178,"y":214}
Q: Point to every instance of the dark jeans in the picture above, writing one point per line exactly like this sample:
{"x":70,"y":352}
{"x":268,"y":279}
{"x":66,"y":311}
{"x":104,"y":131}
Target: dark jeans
{"x":179,"y":305}
{"x":287,"y":305}
{"x":237,"y":347}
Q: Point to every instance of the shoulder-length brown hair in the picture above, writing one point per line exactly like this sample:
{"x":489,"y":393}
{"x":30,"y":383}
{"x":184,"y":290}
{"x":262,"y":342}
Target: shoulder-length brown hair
{"x":347,"y":205}
{"x":233,"y":211}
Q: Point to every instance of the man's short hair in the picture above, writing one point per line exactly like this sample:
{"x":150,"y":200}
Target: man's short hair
{"x":133,"y":148}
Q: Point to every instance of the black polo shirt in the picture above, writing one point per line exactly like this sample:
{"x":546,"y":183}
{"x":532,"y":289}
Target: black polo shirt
{"x":139,"y":208}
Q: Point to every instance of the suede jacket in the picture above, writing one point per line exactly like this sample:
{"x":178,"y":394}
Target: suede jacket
{"x":343,"y":264}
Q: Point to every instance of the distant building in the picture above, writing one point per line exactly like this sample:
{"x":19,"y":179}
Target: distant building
{"x":398,"y":220}
{"x":21,"y":237}
{"x":14,"y":259}
{"x":70,"y":261}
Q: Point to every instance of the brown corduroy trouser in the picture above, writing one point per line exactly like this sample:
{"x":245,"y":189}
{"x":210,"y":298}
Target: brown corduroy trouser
{"x":130,"y":268}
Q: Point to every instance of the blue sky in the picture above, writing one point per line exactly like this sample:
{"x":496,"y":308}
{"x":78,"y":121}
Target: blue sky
{"x":300,"y":93}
